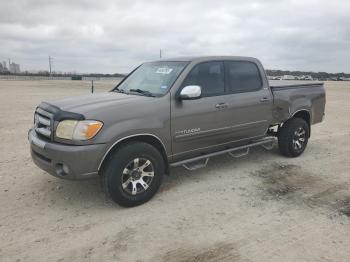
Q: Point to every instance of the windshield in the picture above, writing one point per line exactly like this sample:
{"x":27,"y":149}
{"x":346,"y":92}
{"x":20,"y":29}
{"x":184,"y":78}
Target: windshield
{"x":153,"y":78}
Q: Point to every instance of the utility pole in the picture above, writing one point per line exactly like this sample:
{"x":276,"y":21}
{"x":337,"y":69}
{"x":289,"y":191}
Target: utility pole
{"x":160,"y":53}
{"x":9,"y":64}
{"x":50,"y":60}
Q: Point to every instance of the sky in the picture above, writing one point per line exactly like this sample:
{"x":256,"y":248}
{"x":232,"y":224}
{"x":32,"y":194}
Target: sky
{"x":114,"y":36}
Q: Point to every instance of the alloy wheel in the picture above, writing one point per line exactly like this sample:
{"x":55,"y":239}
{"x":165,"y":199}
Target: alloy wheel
{"x":137,"y":176}
{"x":299,"y":139}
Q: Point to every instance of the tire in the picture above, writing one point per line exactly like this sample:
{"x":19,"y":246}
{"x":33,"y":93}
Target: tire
{"x":129,"y":182}
{"x":293,"y":137}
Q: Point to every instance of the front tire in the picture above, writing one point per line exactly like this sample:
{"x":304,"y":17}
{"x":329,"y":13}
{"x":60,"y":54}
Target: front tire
{"x":293,"y":137}
{"x":133,"y":174}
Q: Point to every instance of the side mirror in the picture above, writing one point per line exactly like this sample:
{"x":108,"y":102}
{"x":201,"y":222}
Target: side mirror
{"x":190,"y":92}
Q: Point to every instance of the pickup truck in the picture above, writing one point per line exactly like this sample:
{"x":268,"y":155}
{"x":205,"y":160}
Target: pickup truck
{"x":173,"y":112}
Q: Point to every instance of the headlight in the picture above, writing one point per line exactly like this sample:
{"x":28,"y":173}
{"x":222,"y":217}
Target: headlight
{"x":78,"y":130}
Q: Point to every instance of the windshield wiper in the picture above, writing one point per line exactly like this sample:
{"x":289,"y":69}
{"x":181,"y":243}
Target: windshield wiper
{"x":142,"y":92}
{"x":118,"y":90}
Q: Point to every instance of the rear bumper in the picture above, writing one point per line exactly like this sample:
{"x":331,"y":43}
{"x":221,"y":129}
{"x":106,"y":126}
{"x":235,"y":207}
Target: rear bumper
{"x":66,"y":161}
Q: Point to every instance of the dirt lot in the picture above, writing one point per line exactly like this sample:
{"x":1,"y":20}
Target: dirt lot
{"x":262,"y":207}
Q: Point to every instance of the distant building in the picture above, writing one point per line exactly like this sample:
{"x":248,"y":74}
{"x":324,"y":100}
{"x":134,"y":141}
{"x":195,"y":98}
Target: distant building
{"x":14,"y":68}
{"x":3,"y":67}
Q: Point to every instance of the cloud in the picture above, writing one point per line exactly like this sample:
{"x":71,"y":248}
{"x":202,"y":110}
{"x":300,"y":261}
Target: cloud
{"x":115,"y":36}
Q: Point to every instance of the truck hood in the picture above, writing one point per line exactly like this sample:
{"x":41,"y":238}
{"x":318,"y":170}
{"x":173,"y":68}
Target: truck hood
{"x":87,"y":104}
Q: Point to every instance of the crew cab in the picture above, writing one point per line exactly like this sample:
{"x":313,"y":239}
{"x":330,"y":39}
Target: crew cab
{"x":171,"y":112}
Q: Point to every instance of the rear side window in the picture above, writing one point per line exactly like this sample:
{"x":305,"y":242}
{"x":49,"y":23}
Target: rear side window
{"x":209,"y":76}
{"x":242,"y":76}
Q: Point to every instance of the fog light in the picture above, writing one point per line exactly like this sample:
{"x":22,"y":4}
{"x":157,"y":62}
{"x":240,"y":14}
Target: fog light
{"x":62,"y":169}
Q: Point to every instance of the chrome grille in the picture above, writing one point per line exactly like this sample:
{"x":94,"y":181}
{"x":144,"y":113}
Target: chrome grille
{"x":43,"y":123}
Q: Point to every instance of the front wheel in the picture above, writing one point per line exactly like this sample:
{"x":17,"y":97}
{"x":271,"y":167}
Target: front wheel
{"x":133,"y":174}
{"x":293,"y":137}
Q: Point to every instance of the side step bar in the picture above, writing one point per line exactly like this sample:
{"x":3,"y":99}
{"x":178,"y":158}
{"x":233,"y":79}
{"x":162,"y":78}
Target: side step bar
{"x":267,"y":143}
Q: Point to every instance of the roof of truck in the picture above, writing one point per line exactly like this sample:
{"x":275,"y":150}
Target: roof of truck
{"x":208,"y":58}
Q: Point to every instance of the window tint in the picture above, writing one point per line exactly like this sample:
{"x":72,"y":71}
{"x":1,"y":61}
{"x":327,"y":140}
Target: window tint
{"x":242,"y":76}
{"x":209,"y":76}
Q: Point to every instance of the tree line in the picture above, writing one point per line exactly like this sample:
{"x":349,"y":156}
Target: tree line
{"x":318,"y":75}
{"x":269,"y":72}
{"x":46,"y":73}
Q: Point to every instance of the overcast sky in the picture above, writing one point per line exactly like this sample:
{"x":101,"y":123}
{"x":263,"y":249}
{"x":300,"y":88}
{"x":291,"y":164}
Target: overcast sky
{"x":115,"y":36}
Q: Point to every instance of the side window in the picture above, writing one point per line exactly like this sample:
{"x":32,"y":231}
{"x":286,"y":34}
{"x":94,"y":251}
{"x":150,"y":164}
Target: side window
{"x":242,"y":76}
{"x":209,"y":76}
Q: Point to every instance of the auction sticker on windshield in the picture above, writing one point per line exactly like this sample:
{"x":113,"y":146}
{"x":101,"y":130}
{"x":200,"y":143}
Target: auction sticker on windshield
{"x":164,"y":70}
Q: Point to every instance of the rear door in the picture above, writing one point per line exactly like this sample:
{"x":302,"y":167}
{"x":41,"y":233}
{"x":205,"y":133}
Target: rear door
{"x":249,"y":100}
{"x":198,"y":125}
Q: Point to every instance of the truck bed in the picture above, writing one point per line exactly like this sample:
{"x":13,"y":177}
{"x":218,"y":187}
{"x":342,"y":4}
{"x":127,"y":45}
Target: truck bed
{"x":292,"y":96}
{"x":275,"y":84}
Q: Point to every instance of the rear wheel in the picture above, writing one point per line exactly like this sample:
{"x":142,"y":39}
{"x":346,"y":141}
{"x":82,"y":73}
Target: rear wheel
{"x":133,"y":174}
{"x":293,"y":137}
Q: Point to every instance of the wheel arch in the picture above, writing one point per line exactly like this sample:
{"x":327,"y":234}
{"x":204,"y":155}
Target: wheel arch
{"x":146,"y":138}
{"x":305,"y":115}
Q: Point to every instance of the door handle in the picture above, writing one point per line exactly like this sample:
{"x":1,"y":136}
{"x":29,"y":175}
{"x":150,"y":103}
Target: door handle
{"x":264,"y":99}
{"x":221,"y":106}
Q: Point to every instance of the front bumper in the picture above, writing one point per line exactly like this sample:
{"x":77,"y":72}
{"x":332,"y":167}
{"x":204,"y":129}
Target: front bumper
{"x":66,"y":161}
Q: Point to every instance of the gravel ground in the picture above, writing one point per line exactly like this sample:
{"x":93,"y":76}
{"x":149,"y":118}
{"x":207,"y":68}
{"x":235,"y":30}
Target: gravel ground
{"x":262,"y":207}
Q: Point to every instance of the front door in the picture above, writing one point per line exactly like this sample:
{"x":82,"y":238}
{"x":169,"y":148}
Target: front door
{"x":198,"y":125}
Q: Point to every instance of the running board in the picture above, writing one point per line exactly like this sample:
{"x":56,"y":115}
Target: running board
{"x":239,"y":154}
{"x":266,"y":143}
{"x":196,"y":165}
{"x":268,"y":146}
